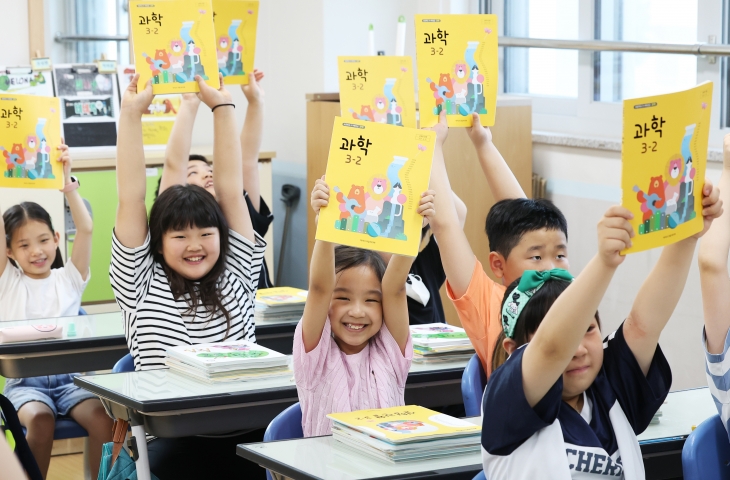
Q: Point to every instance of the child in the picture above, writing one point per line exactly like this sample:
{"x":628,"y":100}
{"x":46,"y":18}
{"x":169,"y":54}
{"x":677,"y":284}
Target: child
{"x":190,"y":275}
{"x":352,"y":348}
{"x":567,"y":405}
{"x":36,"y":284}
{"x":522,"y":233}
{"x":182,"y":168}
{"x":715,"y":284}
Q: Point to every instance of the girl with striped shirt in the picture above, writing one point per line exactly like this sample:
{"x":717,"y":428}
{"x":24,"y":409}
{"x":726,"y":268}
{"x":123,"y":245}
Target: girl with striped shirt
{"x":190,"y":275}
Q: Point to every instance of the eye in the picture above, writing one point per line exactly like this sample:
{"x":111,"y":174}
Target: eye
{"x":45,"y":240}
{"x":591,"y":328}
{"x":344,"y":299}
{"x":562,"y":256}
{"x":372,"y":300}
{"x":536,"y":257}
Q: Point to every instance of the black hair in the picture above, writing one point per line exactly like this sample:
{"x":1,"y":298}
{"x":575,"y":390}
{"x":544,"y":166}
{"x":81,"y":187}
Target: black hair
{"x":531,"y":316}
{"x":191,"y":157}
{"x":351,"y":257}
{"x":508,"y":220}
{"x":18,"y":215}
{"x":180,"y":207}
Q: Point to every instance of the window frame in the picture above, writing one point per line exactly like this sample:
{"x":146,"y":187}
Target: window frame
{"x":586,"y":117}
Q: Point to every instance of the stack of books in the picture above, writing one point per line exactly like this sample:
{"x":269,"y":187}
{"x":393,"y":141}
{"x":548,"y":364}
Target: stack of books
{"x":227,"y":361}
{"x":408,"y":433}
{"x":440,"y":342}
{"x":279,"y":304}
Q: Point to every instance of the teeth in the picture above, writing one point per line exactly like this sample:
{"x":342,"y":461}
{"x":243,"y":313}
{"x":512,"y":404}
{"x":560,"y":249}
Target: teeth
{"x":194,"y":259}
{"x":354,"y":327}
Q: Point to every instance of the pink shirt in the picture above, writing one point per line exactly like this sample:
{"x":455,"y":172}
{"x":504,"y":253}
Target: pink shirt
{"x":328,"y":381}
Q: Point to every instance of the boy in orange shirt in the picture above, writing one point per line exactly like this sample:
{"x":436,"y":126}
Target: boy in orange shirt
{"x":523,"y":235}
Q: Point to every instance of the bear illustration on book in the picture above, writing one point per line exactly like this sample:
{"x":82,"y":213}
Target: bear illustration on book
{"x":181,"y":63}
{"x":462,"y":94}
{"x":670,"y":199}
{"x":230,"y":52}
{"x":31,"y":160}
{"x":386,"y":108}
{"x":378,"y":210}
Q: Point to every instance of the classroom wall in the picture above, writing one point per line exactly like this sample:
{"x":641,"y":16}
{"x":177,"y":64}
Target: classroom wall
{"x":14,"y":25}
{"x":584,"y":183}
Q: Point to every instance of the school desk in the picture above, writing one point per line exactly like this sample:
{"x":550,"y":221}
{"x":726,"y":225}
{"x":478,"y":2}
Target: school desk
{"x":97,"y":344}
{"x":318,"y":458}
{"x":166,"y":404}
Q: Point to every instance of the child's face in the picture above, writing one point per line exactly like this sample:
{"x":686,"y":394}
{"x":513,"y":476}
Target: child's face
{"x":356,"y":309}
{"x":201,"y":174}
{"x":537,"y":250}
{"x":192,"y":252}
{"x":584,"y":366}
{"x":33,"y":247}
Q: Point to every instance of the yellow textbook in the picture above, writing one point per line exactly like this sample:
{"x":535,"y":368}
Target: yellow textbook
{"x":378,"y":89}
{"x":280,"y":296}
{"x":376,"y":174}
{"x":173,"y":42}
{"x":235,"y":34}
{"x":30,"y":133}
{"x":663,"y":157}
{"x":405,"y":424}
{"x":457,"y":68}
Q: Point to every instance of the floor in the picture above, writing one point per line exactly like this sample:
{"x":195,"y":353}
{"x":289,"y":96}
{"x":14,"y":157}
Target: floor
{"x":66,"y":467}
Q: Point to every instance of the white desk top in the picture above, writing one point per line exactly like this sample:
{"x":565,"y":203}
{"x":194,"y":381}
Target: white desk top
{"x":681,"y":411}
{"x":85,"y":326}
{"x":324,"y":457}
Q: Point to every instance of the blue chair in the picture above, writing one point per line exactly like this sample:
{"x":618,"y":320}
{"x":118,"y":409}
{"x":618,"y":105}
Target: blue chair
{"x":125,"y":364}
{"x":82,"y":311}
{"x":473,"y":382}
{"x":706,"y":453}
{"x":480,"y":476}
{"x":285,"y":426}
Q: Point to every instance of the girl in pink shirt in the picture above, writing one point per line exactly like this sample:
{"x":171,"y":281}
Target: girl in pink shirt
{"x":352,"y":348}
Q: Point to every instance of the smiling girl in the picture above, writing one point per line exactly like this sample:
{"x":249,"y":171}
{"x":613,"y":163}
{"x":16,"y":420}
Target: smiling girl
{"x":352,"y":348}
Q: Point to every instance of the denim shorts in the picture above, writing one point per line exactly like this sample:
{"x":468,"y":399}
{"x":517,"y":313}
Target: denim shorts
{"x":56,"y":391}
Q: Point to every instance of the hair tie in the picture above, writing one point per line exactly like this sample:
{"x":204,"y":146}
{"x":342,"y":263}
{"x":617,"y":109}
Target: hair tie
{"x":223,"y":105}
{"x":531,"y":282}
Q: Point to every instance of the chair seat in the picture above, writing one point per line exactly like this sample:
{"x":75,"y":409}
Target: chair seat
{"x":66,"y":428}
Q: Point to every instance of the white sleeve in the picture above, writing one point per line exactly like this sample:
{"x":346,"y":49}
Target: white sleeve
{"x":73,"y":277}
{"x":130,"y":273}
{"x":245,"y":258}
{"x":9,"y":281}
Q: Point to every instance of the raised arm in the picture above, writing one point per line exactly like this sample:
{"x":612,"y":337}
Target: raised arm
{"x":81,"y":254}
{"x":3,"y":256}
{"x":228,"y":178}
{"x":251,"y":135}
{"x":130,"y":226}
{"x":457,"y":256}
{"x":321,"y":277}
{"x":660,"y":292}
{"x":460,"y":207}
{"x":713,"y":258}
{"x":502,"y":181}
{"x":177,"y":152}
{"x":557,"y":338}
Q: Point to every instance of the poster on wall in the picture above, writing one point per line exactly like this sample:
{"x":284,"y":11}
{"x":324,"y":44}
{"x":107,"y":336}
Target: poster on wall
{"x":158,"y":120}
{"x":25,"y":81}
{"x":89,"y":105}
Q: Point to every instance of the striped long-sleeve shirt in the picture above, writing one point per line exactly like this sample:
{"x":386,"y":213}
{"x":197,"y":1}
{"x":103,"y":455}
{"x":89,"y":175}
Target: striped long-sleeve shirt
{"x":154,"y":320}
{"x":717,"y":367}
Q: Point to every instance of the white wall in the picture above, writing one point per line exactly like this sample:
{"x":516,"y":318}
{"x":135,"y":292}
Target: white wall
{"x":583,"y":183}
{"x":14,"y":28}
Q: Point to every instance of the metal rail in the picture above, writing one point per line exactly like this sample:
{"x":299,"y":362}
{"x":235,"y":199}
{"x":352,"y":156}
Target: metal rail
{"x":90,"y":38}
{"x":616,"y":46}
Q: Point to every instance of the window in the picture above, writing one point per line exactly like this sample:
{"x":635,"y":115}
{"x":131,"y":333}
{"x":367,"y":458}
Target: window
{"x":625,"y":75}
{"x":541,"y":71}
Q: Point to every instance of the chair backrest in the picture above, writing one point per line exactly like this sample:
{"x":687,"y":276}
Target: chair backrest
{"x":286,"y":425}
{"x":706,"y":452}
{"x":125,"y":364}
{"x":473,"y":381}
{"x":82,"y":311}
{"x":480,"y":476}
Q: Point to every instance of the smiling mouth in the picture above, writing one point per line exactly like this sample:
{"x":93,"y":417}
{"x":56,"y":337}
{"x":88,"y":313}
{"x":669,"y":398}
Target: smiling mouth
{"x":578,"y":370}
{"x":209,"y":184}
{"x":354,"y":327}
{"x":38,"y":263}
{"x":195,"y":260}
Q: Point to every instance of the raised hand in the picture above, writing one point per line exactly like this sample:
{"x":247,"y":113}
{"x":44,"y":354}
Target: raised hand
{"x":441,"y":129}
{"x":614,"y":234}
{"x":65,"y":159}
{"x":134,"y":100}
{"x":711,"y":206}
{"x":320,"y":195}
{"x":253,"y":91}
{"x":479,"y":135}
{"x":426,"y":207}
{"x":209,"y":95}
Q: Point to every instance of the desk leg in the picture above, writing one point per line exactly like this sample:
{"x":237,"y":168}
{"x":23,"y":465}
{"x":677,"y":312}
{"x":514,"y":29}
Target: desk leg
{"x":143,"y":462}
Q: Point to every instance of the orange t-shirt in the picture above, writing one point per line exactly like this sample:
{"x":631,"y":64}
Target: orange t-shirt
{"x":479,"y":310}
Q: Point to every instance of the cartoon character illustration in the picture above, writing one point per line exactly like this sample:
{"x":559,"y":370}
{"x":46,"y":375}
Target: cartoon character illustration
{"x":653,"y":201}
{"x":442,"y":92}
{"x":405,"y":426}
{"x":673,"y":178}
{"x":381,"y":110}
{"x":352,"y":204}
{"x":475,"y":91}
{"x":234,"y":64}
{"x":394,"y":113}
{"x":223,"y":45}
{"x":460,"y":82}
{"x":686,"y":205}
{"x":30,"y":153}
{"x":168,"y":107}
{"x":366,"y":114}
{"x":14,"y":158}
{"x":159,"y":63}
{"x":375,"y":198}
{"x":176,"y":55}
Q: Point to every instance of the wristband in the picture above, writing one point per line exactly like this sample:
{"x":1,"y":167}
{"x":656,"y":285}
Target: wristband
{"x":223,"y":105}
{"x":71,"y":186}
